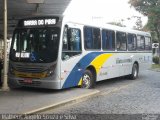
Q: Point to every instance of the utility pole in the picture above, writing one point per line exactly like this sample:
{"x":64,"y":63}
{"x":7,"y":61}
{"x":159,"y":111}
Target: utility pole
{"x":5,"y":78}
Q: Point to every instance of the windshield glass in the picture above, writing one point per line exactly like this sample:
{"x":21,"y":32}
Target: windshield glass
{"x":35,"y":45}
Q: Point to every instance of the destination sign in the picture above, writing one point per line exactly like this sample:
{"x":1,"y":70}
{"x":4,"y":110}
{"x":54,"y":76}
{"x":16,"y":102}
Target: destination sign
{"x":39,"y":22}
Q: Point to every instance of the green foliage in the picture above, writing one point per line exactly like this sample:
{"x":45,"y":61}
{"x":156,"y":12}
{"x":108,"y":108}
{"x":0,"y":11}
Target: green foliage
{"x":150,"y":8}
{"x":146,"y":7}
{"x":138,"y":24}
{"x":156,"y":60}
{"x":156,"y":66}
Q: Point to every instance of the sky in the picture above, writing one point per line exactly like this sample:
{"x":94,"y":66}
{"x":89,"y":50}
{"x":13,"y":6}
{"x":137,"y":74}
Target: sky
{"x":104,"y":11}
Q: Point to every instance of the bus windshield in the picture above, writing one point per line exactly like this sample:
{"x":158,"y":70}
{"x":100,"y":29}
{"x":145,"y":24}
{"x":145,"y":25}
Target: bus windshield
{"x":35,"y":45}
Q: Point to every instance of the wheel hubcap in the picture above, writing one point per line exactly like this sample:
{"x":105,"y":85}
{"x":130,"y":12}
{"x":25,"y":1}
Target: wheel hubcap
{"x":86,"y":80}
{"x":135,"y":72}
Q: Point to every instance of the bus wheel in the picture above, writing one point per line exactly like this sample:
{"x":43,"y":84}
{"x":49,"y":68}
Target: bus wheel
{"x":135,"y":71}
{"x":88,"y":80}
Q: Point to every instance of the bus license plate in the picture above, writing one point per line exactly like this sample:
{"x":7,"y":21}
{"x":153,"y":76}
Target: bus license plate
{"x":28,"y":80}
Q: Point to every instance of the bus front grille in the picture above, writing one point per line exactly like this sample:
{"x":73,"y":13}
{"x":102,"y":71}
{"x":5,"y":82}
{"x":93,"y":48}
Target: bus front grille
{"x":30,"y":69}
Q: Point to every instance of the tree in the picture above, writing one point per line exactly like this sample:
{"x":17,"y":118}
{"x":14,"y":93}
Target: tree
{"x":150,"y":8}
{"x":138,"y":24}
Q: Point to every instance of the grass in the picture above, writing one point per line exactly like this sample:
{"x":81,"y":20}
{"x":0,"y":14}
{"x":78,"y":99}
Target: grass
{"x":155,"y":66}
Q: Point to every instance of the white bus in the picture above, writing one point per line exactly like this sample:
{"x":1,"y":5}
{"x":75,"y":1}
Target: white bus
{"x":56,"y":53}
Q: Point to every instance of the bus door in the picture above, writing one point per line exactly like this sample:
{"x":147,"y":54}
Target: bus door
{"x":71,"y":52}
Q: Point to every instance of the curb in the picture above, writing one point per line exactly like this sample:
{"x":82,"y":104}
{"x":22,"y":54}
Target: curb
{"x":95,"y":92}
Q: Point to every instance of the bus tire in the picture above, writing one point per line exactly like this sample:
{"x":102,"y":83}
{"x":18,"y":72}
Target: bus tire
{"x":134,"y":73}
{"x":88,"y":80}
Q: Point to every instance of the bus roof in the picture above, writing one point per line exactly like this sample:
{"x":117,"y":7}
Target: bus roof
{"x":107,"y":26}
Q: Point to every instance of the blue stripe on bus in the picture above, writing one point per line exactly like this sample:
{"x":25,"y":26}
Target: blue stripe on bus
{"x":73,"y":80}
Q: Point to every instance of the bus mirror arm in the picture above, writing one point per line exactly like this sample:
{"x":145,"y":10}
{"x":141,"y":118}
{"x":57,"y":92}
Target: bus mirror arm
{"x":66,"y":26}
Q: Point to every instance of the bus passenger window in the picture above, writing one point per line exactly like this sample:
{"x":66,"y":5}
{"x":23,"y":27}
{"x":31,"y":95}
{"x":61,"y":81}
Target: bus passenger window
{"x":96,"y":38}
{"x":71,"y":43}
{"x":92,"y":38}
{"x":121,"y":42}
{"x":108,"y":40}
{"x":132,"y":42}
{"x":88,"y":37}
{"x":140,"y":42}
{"x":148,"y":43}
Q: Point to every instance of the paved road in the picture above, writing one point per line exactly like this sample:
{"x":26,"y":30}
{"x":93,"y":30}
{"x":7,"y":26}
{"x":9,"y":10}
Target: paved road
{"x":29,"y":100}
{"x":121,"y":96}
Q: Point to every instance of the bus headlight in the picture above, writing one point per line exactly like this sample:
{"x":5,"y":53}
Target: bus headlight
{"x":50,"y":71}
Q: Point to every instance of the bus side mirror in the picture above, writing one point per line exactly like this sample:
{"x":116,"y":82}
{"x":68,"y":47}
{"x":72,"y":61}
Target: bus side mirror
{"x":68,"y":31}
{"x":66,"y":27}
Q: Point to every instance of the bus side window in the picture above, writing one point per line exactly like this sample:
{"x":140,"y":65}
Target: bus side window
{"x":96,"y":38}
{"x":92,"y":38}
{"x":140,"y":42}
{"x":71,"y":43}
{"x":108,"y":40}
{"x":121,"y":42}
{"x":148,"y":43}
{"x":132,"y":42}
{"x":88,"y":37}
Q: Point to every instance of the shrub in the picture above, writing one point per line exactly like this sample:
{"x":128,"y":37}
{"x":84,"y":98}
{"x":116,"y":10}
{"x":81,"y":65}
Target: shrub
{"x":156,"y":60}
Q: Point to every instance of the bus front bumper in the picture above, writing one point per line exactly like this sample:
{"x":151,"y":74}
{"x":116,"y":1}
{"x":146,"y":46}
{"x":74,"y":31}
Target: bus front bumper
{"x":37,"y":83}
